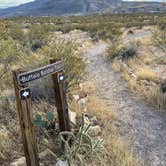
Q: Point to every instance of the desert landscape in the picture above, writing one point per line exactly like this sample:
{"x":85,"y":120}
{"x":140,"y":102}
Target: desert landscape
{"x":115,"y":86}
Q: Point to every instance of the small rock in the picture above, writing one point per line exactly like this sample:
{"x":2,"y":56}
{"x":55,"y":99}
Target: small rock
{"x":125,"y":66}
{"x":45,"y":141}
{"x":76,"y":97}
{"x":62,"y":163}
{"x":94,"y":120}
{"x":94,"y":130}
{"x":133,"y":76}
{"x":82,"y":102}
{"x":57,"y":125}
{"x":19,"y":162}
{"x":44,"y":154}
{"x":130,"y":32}
{"x":83,"y":95}
{"x":145,"y":82}
{"x":72,"y":116}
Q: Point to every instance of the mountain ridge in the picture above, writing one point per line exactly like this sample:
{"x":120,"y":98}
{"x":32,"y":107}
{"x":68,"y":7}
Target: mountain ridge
{"x":81,"y":7}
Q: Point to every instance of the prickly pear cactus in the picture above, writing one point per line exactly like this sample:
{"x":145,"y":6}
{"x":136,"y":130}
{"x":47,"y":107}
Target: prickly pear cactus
{"x":48,"y":124}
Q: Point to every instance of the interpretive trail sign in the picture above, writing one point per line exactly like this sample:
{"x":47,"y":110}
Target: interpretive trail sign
{"x":24,"y":104}
{"x":26,"y":77}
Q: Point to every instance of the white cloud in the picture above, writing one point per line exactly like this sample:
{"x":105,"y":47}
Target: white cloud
{"x":9,"y":3}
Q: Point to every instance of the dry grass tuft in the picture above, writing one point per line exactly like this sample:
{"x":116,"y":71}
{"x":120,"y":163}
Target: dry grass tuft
{"x":119,"y":152}
{"x":116,"y":66}
{"x":5,"y":144}
{"x":157,"y":97}
{"x":4,"y":139}
{"x":87,"y":87}
{"x":146,"y":74}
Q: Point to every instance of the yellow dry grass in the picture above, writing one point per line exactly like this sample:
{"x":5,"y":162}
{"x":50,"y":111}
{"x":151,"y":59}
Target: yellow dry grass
{"x":146,"y":74}
{"x":156,"y":97}
{"x":116,"y":67}
{"x":5,"y":143}
{"x":87,"y":87}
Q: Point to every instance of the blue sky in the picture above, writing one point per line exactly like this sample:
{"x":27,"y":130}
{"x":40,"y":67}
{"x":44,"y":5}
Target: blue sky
{"x":9,"y":3}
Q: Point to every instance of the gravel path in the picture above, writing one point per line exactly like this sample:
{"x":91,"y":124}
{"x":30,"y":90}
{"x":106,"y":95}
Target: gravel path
{"x":139,"y":122}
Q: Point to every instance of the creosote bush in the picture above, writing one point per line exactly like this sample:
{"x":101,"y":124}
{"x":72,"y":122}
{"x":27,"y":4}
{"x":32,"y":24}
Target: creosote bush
{"x":10,"y":53}
{"x":36,"y":37}
{"x":3,"y":30}
{"x":128,"y":51}
{"x":69,"y":54}
{"x":16,"y":32}
{"x":159,"y":38}
{"x":116,"y":50}
{"x":113,"y":50}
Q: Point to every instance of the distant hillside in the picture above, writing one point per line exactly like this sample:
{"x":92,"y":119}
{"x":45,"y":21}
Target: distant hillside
{"x":68,"y":7}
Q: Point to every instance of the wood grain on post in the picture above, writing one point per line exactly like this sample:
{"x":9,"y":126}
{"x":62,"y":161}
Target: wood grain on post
{"x":26,"y":124}
{"x":61,"y":101}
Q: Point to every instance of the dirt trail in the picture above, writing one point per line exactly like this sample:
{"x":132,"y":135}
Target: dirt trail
{"x":139,"y":123}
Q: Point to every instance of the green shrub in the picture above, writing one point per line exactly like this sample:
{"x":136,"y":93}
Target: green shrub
{"x":69,"y":54}
{"x":159,"y":38}
{"x":128,"y":51}
{"x":3,"y":31}
{"x":36,"y":37}
{"x":17,"y":33}
{"x":10,"y":53}
{"x":123,"y":52}
{"x":113,"y":50}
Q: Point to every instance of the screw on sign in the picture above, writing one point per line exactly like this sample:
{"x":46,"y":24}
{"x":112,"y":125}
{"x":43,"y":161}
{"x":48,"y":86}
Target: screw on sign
{"x":61,"y":77}
{"x":24,"y":105}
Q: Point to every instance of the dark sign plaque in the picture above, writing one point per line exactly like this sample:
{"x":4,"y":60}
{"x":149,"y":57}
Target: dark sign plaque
{"x":36,"y":74}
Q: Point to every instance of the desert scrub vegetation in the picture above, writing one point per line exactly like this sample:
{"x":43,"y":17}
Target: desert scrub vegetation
{"x":119,"y":51}
{"x":36,"y":37}
{"x":10,"y":53}
{"x":68,"y":52}
{"x":84,"y":148}
{"x":26,"y":42}
{"x":116,"y":152}
{"x":34,"y":47}
{"x":159,"y":37}
{"x":146,"y":74}
{"x":29,"y":49}
{"x":136,"y":68}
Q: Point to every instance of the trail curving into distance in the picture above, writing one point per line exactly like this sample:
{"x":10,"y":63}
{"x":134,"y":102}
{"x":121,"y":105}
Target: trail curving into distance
{"x":139,"y":123}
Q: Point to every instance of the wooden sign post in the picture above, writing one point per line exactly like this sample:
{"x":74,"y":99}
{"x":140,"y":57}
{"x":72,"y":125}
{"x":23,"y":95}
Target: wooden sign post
{"x":24,"y":105}
{"x":60,"y":98}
